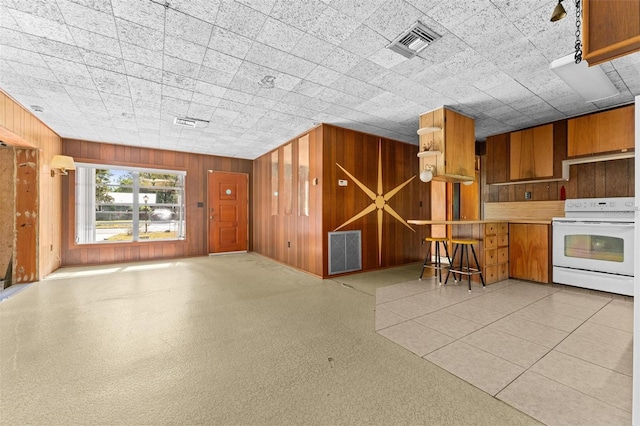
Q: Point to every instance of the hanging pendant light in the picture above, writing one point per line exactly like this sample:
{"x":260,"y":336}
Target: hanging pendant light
{"x":558,"y":12}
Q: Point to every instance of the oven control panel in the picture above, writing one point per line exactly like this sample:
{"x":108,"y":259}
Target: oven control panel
{"x":620,"y":204}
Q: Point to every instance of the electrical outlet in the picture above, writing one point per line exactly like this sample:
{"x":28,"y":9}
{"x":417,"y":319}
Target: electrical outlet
{"x":527,"y":195}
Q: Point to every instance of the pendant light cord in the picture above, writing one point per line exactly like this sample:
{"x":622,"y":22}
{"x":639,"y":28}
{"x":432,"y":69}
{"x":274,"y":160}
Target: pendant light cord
{"x":578,"y":45}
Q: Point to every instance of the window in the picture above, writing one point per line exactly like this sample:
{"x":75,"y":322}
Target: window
{"x":123,"y":204}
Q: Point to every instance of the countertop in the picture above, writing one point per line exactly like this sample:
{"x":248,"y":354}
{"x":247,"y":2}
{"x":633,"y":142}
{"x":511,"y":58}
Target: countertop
{"x":475,"y":222}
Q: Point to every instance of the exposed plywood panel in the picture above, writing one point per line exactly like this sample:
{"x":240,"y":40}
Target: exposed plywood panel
{"x":7,"y":212}
{"x":26,"y":216}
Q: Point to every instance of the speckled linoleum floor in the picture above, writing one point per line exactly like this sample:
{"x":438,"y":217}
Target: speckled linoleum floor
{"x":225,"y":340}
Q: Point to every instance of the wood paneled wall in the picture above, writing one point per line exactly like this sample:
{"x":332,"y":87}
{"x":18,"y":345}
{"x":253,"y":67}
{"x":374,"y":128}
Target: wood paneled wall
{"x":302,"y":242}
{"x":591,"y":180}
{"x":293,"y":239}
{"x":196,"y":166}
{"x":20,"y":128}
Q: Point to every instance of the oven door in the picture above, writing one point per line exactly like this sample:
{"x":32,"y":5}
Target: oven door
{"x":594,"y":246}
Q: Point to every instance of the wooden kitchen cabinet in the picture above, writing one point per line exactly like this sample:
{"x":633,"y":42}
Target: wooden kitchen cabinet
{"x":527,"y":155}
{"x":531,"y":153}
{"x":496,"y":252}
{"x":529,"y":252}
{"x":602,"y":132}
{"x":454,"y":139}
{"x":610,"y":29}
{"x":497,"y":159}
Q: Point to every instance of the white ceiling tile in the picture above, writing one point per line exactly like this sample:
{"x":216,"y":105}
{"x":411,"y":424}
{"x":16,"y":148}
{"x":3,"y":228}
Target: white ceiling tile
{"x":358,"y":9}
{"x":142,"y":56}
{"x":237,"y":96}
{"x":333,"y":26}
{"x":450,"y":14}
{"x":99,"y":60}
{"x":209,"y":89}
{"x":341,"y":60}
{"x":174,"y":107}
{"x":308,"y":88}
{"x":387,"y":58}
{"x":42,"y":8}
{"x":184,"y":50}
{"x":301,"y":14}
{"x":143,"y":71}
{"x":205,"y":99}
{"x":295,"y":66}
{"x":229,"y":42}
{"x":279,"y":35}
{"x":263,"y":6}
{"x":21,"y":56}
{"x":109,"y":81}
{"x":180,"y":67}
{"x":239,"y":18}
{"x":363,"y":41}
{"x":393,"y":17}
{"x":322,"y":75}
{"x":139,"y":35}
{"x":146,"y":13}
{"x":312,"y":48}
{"x":187,"y":27}
{"x":264,"y":55}
{"x":88,"y":18}
{"x":206,"y":11}
{"x":221,"y":62}
{"x":217,"y":77}
{"x":42,"y":27}
{"x":178,"y":81}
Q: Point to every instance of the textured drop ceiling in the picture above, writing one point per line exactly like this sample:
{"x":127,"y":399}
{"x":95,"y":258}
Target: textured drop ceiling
{"x":120,"y":71}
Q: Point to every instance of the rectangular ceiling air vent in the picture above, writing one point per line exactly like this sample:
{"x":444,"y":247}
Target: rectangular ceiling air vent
{"x":412,"y":41}
{"x":186,"y":122}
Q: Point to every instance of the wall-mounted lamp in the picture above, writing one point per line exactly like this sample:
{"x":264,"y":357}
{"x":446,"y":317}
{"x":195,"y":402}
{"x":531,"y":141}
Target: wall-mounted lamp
{"x":63,"y":163}
{"x":427,"y":174}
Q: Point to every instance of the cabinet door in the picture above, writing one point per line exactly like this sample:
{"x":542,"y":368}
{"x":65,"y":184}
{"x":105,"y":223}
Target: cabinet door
{"x":497,"y":158}
{"x":616,"y":129}
{"x":582,"y":135}
{"x":611,"y":29}
{"x":460,"y":150}
{"x":531,"y":153}
{"x":518,"y":252}
{"x":538,"y":240}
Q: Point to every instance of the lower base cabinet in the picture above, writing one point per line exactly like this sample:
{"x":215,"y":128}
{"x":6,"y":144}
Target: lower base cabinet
{"x":529,"y":248}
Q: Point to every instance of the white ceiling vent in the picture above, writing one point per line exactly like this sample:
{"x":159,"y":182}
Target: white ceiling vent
{"x":412,"y":41}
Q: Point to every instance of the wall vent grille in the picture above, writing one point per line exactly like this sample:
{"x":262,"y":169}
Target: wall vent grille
{"x":412,"y":41}
{"x":345,"y":251}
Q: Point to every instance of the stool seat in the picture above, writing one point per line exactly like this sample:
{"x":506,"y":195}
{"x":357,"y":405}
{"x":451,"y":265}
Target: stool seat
{"x":456,"y":241}
{"x":437,"y":265}
{"x":436,"y":239}
{"x":465,"y":268}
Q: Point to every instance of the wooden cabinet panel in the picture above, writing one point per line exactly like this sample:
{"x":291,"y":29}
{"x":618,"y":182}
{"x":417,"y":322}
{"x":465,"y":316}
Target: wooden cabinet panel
{"x":529,"y":254}
{"x":518,"y":251}
{"x":607,"y":131}
{"x":497,"y":159}
{"x":491,"y":242}
{"x":531,"y":153}
{"x":490,"y":256}
{"x":456,"y":142}
{"x":611,"y":28}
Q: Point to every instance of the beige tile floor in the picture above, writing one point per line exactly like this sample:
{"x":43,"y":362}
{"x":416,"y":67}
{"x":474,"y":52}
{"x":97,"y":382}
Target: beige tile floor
{"x":561,"y":354}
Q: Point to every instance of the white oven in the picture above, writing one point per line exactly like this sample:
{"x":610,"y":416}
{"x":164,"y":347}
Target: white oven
{"x":593,"y":245}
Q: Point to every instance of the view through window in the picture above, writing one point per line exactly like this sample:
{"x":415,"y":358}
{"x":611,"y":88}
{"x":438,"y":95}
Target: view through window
{"x":121,"y":204}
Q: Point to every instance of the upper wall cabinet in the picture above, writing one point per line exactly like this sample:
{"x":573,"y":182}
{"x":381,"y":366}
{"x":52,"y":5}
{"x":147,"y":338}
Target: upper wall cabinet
{"x":611,"y":28}
{"x":531,"y":154}
{"x":608,"y":131}
{"x":453,"y":136}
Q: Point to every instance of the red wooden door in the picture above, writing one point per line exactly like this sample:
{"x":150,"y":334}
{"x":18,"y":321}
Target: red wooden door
{"x":228,"y":212}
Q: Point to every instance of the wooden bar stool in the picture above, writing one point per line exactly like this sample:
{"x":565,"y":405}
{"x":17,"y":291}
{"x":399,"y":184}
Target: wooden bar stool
{"x":437,"y":265}
{"x":464,"y":268}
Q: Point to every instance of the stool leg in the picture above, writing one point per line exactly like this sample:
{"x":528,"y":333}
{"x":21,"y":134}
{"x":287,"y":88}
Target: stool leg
{"x":426,"y":261}
{"x":449,"y":259}
{"x":455,"y":250}
{"x":438,"y":263}
{"x":477,"y":266}
{"x":468,"y":267}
